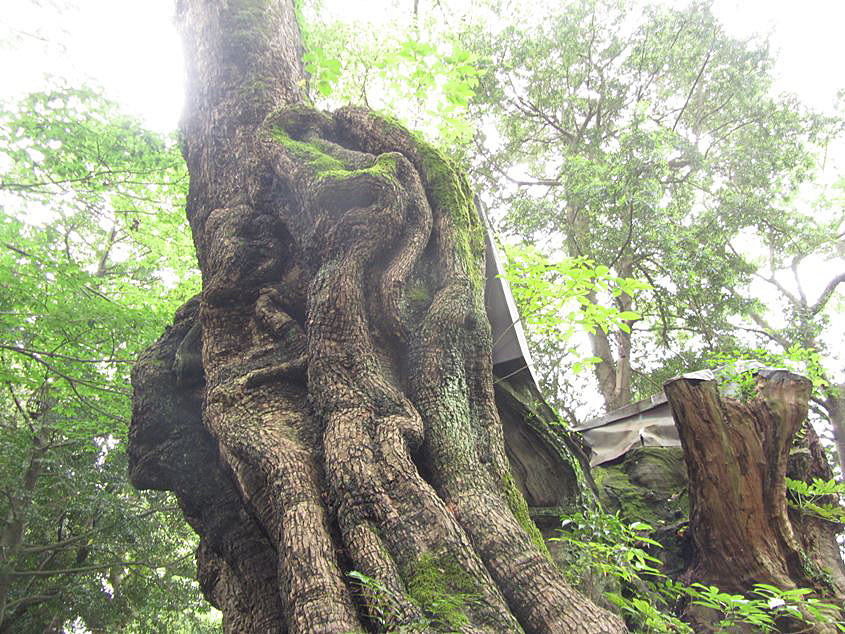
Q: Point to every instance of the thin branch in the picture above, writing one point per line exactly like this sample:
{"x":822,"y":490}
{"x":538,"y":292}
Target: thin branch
{"x":72,"y":381}
{"x":769,"y":331}
{"x":95,"y":568}
{"x":20,"y":251}
{"x":693,"y":87}
{"x":826,"y":293}
{"x":71,"y":542}
{"x":627,"y":241}
{"x":88,"y":177}
{"x":789,"y":295}
{"x":20,"y":408}
{"x":62,"y":356}
{"x":794,"y":266}
{"x":32,"y":600}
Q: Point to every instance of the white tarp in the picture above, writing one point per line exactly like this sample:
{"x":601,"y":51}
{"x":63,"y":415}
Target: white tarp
{"x":646,"y":423}
{"x":509,"y":343}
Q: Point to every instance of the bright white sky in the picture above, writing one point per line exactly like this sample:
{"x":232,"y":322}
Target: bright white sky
{"x":132,"y":50}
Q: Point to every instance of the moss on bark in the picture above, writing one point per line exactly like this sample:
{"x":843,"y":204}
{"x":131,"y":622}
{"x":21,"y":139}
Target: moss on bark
{"x":442,"y":589}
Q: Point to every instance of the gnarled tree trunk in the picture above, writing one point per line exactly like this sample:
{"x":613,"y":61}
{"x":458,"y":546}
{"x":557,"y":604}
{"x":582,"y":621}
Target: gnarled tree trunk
{"x":327,"y":403}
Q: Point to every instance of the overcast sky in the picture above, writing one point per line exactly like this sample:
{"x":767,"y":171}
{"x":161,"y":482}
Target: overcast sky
{"x":131,"y":49}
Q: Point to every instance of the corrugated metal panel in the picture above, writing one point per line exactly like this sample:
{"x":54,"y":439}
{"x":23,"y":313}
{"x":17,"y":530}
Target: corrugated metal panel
{"x":648,"y":423}
{"x":651,"y":426}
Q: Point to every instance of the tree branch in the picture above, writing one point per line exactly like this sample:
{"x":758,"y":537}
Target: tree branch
{"x":768,"y":330}
{"x":693,"y":87}
{"x":95,"y":568}
{"x":29,"y":352}
{"x":826,"y":293}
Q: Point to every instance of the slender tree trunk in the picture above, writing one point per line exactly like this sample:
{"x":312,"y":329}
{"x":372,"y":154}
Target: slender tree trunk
{"x":15,"y":524}
{"x":331,"y":389}
{"x":834,"y":403}
{"x":613,"y":374}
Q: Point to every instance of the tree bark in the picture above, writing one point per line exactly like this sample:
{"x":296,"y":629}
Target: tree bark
{"x":331,"y":389}
{"x":613,"y":373}
{"x":737,"y":456}
{"x":834,"y":403}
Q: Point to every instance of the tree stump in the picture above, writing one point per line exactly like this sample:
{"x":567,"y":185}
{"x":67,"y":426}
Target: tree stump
{"x":737,"y":455}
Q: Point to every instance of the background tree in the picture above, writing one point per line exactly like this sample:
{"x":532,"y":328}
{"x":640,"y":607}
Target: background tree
{"x":649,"y":140}
{"x":801,"y":323}
{"x":89,"y":226}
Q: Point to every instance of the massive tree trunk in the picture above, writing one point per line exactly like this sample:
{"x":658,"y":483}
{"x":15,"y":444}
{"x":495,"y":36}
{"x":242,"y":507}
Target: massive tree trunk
{"x":327,"y":403}
{"x":738,"y":455}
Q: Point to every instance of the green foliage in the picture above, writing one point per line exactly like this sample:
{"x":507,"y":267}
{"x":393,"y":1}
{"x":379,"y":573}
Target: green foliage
{"x":603,"y":548}
{"x":601,"y":544}
{"x":808,"y":497}
{"x":94,"y":257}
{"x":738,"y":367}
{"x":324,"y":71}
{"x":382,"y":605}
{"x":558,"y":299}
{"x":764,"y":606}
{"x":423,"y":76}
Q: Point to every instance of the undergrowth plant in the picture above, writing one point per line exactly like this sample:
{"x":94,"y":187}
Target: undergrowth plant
{"x":605,"y":549}
{"x":382,"y":605}
{"x":443,"y":609}
{"x":808,"y":497}
{"x":765,"y":606}
{"x":600,"y":545}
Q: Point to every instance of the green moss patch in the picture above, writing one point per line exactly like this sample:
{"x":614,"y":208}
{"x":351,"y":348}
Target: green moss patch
{"x":649,"y":485}
{"x":519,"y":508}
{"x":449,"y":189}
{"x":443,"y":589}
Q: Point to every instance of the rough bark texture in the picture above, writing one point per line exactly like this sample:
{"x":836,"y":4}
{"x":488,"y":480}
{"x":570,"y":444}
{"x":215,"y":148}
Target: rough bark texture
{"x":737,"y":456}
{"x":834,"y":403}
{"x":331,"y":392}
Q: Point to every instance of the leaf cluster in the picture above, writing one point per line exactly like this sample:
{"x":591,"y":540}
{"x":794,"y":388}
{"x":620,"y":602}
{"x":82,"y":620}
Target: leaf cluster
{"x":557,"y":298}
{"x":602,"y":544}
{"x":412,"y":69}
{"x":94,"y":257}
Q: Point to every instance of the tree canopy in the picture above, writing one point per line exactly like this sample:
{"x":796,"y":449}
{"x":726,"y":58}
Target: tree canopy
{"x":650,"y":141}
{"x":93,"y":256}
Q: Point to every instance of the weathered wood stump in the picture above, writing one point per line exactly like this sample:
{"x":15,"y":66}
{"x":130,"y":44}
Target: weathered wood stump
{"x":737,"y":455}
